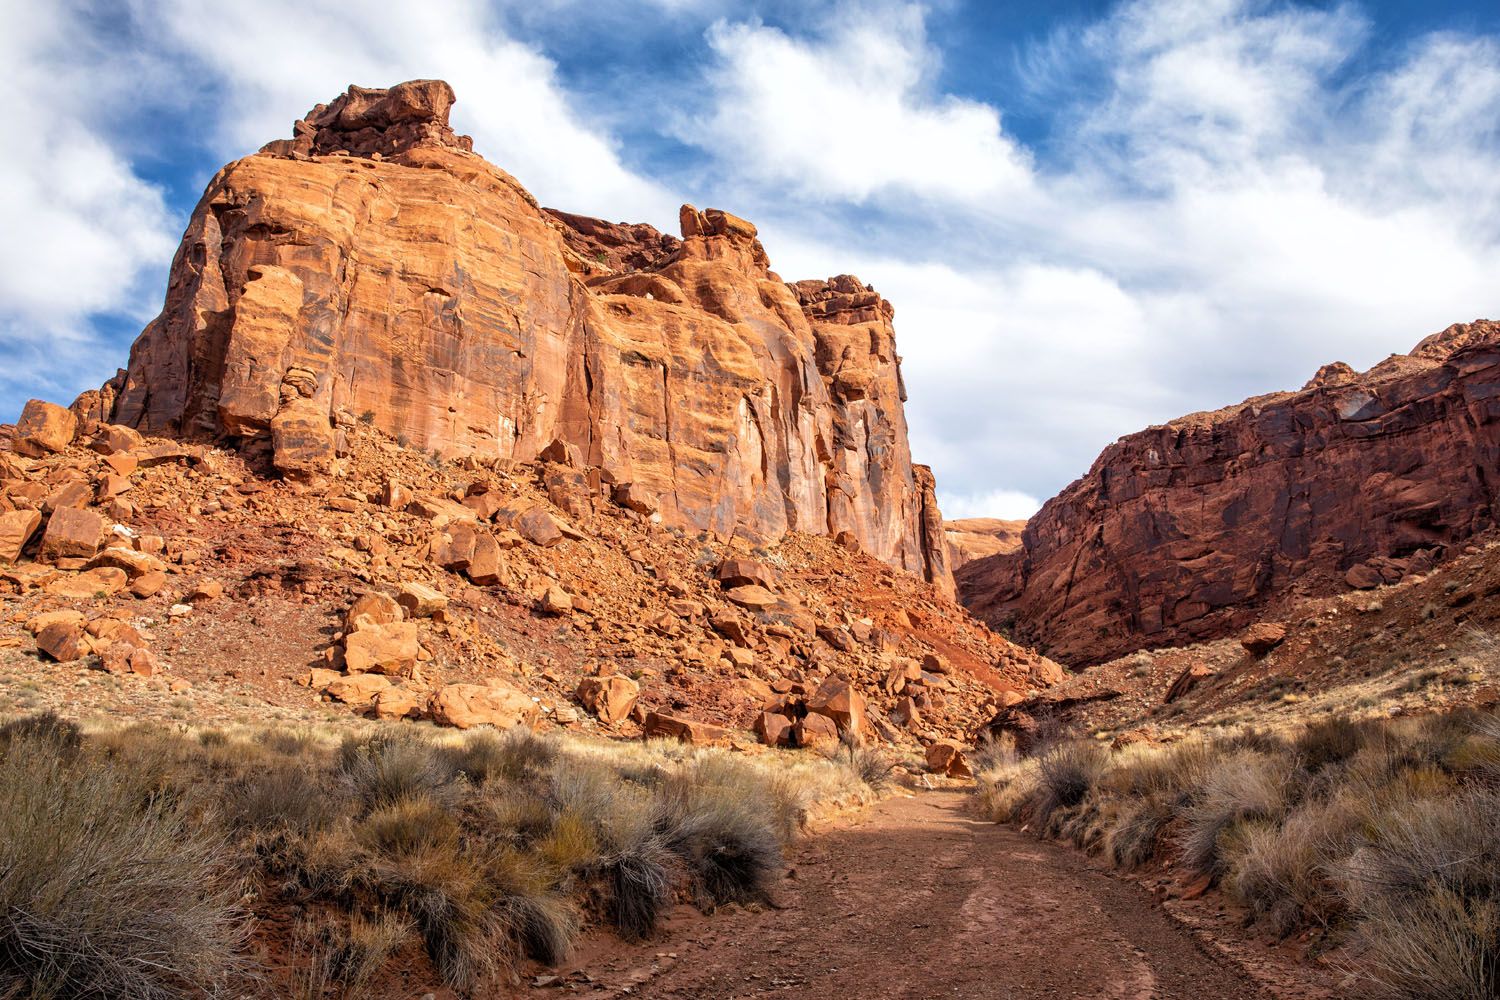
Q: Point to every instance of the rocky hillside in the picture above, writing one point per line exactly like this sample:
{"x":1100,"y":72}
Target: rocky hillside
{"x":374,"y":268}
{"x":1191,"y":530}
{"x":405,"y":444}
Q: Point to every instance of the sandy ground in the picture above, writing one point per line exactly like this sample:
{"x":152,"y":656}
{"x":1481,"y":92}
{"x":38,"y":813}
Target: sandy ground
{"x":920,"y":900}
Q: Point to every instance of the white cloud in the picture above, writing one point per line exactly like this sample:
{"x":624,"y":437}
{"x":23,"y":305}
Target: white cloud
{"x":1009,"y":505}
{"x":1223,"y":209}
{"x":80,"y":227}
{"x":271,"y":61}
{"x":852,"y":114}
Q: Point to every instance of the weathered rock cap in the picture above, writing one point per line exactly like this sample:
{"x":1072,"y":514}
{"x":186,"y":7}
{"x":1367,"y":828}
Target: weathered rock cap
{"x":367,"y":120}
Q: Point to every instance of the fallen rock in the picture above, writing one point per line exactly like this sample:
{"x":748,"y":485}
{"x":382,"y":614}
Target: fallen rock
{"x":634,"y":496}
{"x":610,"y":698}
{"x":44,"y":429}
{"x":370,"y":609}
{"x":539,"y":528}
{"x":815,"y":731}
{"x":745,"y":573}
{"x":391,"y":648}
{"x":393,"y":703}
{"x":465,"y":706}
{"x":95,"y":583}
{"x":72,"y":534}
{"x":837,"y":699}
{"x":420,"y":600}
{"x":555,"y":601}
{"x":947,"y":757}
{"x":1262,"y":637}
{"x":17,"y":528}
{"x":357,"y":689}
{"x":774,"y":729}
{"x":661,"y":725}
{"x":63,"y":641}
{"x":752,"y":597}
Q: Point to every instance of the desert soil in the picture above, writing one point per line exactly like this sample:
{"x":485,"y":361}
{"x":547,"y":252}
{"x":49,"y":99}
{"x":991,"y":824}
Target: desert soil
{"x":918,"y":899}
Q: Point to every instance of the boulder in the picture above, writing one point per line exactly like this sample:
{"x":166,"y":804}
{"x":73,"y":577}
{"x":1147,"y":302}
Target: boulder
{"x":556,"y":601}
{"x":662,"y":725}
{"x":393,"y":703}
{"x":774,"y":729}
{"x":947,"y":757}
{"x":815,"y":732}
{"x":419,"y":600}
{"x":44,"y":429}
{"x":390,"y":649}
{"x":753,"y":597}
{"x":1262,"y":637}
{"x":837,"y":699}
{"x":610,"y":698}
{"x":745,"y":573}
{"x":538,"y":527}
{"x":72,"y":534}
{"x":370,"y":609}
{"x":634,"y":496}
{"x":17,"y":528}
{"x":357,"y":689}
{"x":63,"y":641}
{"x":88,"y":585}
{"x":465,"y":706}
{"x":114,"y":439}
{"x":135,"y":564}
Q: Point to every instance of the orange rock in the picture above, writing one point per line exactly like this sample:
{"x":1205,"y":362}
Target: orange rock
{"x":539,"y":528}
{"x":72,"y":533}
{"x":396,"y":703}
{"x":17,"y":528}
{"x":148,"y":584}
{"x":610,"y":698}
{"x":101,"y":582}
{"x":1262,"y":637}
{"x":1186,"y":682}
{"x":370,"y":609}
{"x":555,"y":601}
{"x":746,"y":573}
{"x":357,"y":689}
{"x":44,"y":428}
{"x":63,"y":641}
{"x":753,"y":597}
{"x":389,"y":648}
{"x":947,"y":757}
{"x":814,"y":731}
{"x":661,"y":725}
{"x":465,"y":706}
{"x":774,"y":729}
{"x":837,"y":699}
{"x":684,"y":346}
{"x":419,"y":600}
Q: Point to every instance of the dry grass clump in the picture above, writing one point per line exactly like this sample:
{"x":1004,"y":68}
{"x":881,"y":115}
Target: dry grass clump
{"x":120,"y":853}
{"x":106,"y":887}
{"x":1384,"y":833}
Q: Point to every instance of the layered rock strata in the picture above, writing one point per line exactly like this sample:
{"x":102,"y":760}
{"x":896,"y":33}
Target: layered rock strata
{"x":1188,"y":531}
{"x":372,"y":268}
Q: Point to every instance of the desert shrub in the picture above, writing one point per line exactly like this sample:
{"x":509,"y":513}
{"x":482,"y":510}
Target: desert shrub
{"x":1285,"y":873}
{"x":286,"y":797}
{"x":1065,"y":776}
{"x":1426,"y":885}
{"x":1134,"y":830}
{"x":448,"y":896}
{"x":711,"y":813}
{"x":44,"y":727}
{"x":387,"y":768}
{"x":540,"y":920}
{"x":517,"y":754}
{"x":1005,"y":790}
{"x":105,"y":888}
{"x":1328,"y":741}
{"x":288,"y":743}
{"x":870,"y":766}
{"x":406,"y":826}
{"x":1245,"y":786}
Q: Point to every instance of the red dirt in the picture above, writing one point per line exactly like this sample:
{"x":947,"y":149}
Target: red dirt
{"x":918,"y":899}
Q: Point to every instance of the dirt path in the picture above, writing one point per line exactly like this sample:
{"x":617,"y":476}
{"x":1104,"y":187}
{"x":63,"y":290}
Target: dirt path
{"x":919,"y":900}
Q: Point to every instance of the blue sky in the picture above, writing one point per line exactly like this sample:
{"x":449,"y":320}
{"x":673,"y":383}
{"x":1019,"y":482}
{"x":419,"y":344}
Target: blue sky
{"x":1089,"y":216}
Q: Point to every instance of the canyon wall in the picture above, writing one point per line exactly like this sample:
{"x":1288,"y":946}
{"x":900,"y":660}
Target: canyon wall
{"x":373,"y":268}
{"x":1193,"y":529}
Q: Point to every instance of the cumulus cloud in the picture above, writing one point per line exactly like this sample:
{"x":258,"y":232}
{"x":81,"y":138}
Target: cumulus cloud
{"x":852,"y":113}
{"x":81,"y":228}
{"x":1222,"y":207}
{"x":1009,"y":505}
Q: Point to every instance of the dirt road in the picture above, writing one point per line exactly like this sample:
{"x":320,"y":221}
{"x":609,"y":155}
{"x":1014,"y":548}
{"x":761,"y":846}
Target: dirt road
{"x":919,"y":900}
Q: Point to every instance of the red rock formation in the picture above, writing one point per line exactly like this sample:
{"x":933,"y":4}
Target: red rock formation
{"x":1189,"y":530}
{"x":973,"y":538}
{"x":373,"y":268}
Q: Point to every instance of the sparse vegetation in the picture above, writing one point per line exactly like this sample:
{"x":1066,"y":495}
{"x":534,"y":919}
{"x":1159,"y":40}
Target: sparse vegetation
{"x":1378,"y":834}
{"x":123,"y":856}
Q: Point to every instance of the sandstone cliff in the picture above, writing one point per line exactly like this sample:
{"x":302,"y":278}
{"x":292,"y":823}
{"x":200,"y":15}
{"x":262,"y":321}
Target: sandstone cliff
{"x":1190,"y":530}
{"x":373,"y":268}
{"x":974,"y":538}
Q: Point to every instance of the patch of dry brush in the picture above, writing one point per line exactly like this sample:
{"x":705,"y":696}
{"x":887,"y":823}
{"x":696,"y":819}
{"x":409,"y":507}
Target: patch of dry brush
{"x":137,"y":863}
{"x":1381,"y":834}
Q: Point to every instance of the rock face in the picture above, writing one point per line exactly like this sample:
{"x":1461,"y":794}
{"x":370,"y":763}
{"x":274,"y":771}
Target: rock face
{"x":1189,"y":530}
{"x":976,"y":537}
{"x":373,"y":268}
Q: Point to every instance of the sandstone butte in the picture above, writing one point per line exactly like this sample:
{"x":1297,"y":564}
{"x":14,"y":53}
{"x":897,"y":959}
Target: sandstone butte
{"x":373,"y":268}
{"x":973,"y":538}
{"x":1194,"y":529}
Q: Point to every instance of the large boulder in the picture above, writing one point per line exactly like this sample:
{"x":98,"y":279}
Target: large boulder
{"x":670,"y":726}
{"x":837,"y":699}
{"x":610,"y":698}
{"x":17,"y":528}
{"x":44,"y":428}
{"x":391,"y":649}
{"x":465,"y":706}
{"x":72,"y":534}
